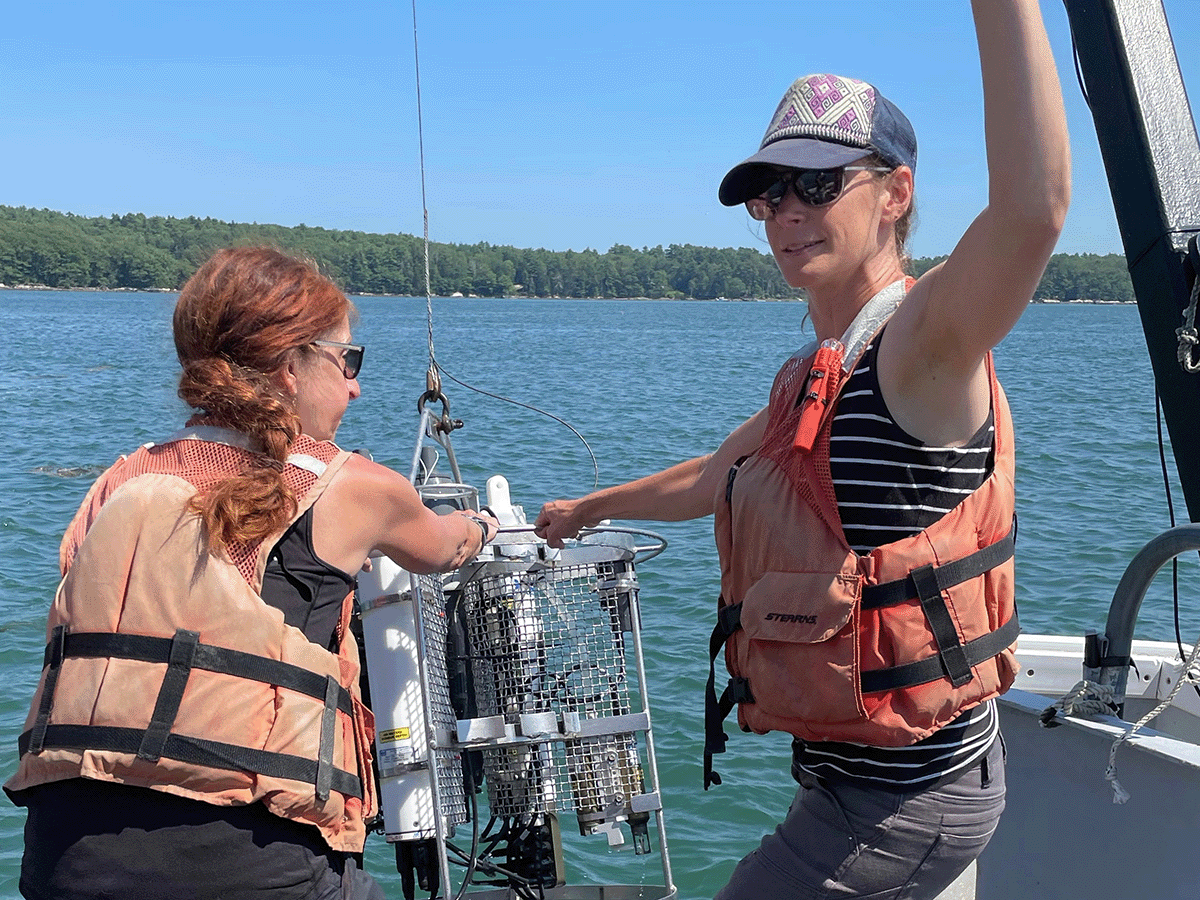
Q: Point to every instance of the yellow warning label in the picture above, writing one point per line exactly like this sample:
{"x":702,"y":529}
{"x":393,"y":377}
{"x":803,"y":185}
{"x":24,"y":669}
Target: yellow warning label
{"x":393,"y":735}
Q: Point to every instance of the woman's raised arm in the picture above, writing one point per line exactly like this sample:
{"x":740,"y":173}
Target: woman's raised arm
{"x":964,"y":307}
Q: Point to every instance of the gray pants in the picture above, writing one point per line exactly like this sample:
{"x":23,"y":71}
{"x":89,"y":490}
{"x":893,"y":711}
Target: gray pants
{"x":844,"y":841}
{"x":352,"y":884}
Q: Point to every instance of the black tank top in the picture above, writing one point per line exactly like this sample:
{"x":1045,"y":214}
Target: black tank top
{"x":305,"y":588}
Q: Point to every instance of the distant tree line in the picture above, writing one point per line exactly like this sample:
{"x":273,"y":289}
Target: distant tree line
{"x":134,"y":251}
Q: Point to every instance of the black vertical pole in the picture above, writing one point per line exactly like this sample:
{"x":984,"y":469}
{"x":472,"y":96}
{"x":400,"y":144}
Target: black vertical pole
{"x":1148,"y":142}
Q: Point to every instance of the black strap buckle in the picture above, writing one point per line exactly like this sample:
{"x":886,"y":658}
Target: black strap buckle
{"x":945,"y":635}
{"x":55,"y":651}
{"x":170,"y":695}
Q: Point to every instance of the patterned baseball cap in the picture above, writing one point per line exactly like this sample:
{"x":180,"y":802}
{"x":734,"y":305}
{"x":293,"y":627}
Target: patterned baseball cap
{"x":822,"y":122}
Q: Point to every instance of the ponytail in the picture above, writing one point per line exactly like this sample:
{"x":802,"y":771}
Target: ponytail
{"x":236,"y":323}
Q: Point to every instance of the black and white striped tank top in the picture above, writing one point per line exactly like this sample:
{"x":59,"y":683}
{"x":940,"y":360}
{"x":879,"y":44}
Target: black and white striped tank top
{"x":889,"y":485}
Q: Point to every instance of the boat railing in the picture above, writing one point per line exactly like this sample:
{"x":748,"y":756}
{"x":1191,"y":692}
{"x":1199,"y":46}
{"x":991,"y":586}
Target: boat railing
{"x":1107,"y":657}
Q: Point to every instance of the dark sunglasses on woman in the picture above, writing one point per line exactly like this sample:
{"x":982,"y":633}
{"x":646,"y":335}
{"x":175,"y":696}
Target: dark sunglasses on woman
{"x":815,"y":187}
{"x":351,"y":359}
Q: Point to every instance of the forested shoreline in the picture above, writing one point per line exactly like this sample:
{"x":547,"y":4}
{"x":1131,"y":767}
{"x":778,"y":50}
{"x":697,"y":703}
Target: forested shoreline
{"x":41,"y":247}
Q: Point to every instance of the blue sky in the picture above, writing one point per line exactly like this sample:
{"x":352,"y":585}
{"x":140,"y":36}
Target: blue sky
{"x":554,"y":123}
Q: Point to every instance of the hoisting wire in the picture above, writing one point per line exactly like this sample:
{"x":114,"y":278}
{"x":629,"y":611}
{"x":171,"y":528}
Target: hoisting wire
{"x":574,"y":431}
{"x":433,"y":382}
{"x":433,"y":376}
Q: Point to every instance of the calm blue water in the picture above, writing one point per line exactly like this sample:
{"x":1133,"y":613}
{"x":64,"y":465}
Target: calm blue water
{"x":85,"y":377}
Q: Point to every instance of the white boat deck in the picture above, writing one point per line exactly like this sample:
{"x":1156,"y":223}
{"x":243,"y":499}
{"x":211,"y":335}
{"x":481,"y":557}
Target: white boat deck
{"x":1062,"y":837}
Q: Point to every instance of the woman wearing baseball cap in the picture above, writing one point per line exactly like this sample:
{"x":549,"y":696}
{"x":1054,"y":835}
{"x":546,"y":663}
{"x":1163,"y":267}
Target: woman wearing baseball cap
{"x":864,"y":517}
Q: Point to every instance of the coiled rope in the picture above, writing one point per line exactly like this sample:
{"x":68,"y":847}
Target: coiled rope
{"x":1189,"y":676}
{"x":1088,"y":698}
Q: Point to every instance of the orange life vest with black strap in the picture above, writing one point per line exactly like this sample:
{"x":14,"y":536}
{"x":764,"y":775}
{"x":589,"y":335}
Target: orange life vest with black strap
{"x":881,"y":649}
{"x":165,"y":669}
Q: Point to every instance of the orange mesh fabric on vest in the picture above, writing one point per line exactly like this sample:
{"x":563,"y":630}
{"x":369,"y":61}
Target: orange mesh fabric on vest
{"x":202,"y":464}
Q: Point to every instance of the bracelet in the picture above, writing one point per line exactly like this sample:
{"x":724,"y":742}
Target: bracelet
{"x":483,"y":531}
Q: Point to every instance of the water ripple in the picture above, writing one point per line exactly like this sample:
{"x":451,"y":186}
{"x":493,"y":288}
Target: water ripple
{"x":68,"y":471}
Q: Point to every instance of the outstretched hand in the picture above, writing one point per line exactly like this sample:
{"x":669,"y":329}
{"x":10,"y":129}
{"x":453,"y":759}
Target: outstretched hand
{"x":560,"y":519}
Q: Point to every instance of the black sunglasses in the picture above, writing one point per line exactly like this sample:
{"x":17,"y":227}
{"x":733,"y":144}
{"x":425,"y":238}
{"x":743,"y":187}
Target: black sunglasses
{"x":816,"y":187}
{"x":351,"y":358}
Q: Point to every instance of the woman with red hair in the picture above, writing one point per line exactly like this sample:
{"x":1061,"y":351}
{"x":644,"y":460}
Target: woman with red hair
{"x":198,"y":730}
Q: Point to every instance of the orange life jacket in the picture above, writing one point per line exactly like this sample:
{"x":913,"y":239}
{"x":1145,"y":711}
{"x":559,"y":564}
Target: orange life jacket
{"x":881,"y":649}
{"x":165,"y":669}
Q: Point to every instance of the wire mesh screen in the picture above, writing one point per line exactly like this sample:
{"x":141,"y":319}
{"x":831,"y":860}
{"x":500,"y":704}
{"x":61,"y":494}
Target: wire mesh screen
{"x":550,"y":639}
{"x":428,"y":591}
